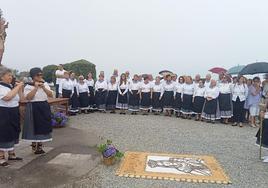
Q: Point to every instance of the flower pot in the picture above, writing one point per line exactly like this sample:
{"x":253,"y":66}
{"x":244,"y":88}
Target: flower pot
{"x":108,"y":161}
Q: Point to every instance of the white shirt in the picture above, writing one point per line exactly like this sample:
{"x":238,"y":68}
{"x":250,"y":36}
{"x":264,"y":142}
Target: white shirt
{"x":178,"y":87}
{"x":225,"y":88}
{"x":90,"y":83}
{"x":123,"y":86}
{"x":212,"y":92}
{"x":240,"y":91}
{"x":146,"y":88}
{"x":112,"y":87}
{"x":157,"y":87}
{"x":74,"y":81}
{"x":167,"y":87}
{"x":199,"y":91}
{"x":82,"y":88}
{"x":188,"y":89}
{"x":134,"y":86}
{"x":207,"y":84}
{"x":59,"y":73}
{"x":101,"y":85}
{"x":67,"y":85}
{"x":14,"y":102}
{"x":40,"y":94}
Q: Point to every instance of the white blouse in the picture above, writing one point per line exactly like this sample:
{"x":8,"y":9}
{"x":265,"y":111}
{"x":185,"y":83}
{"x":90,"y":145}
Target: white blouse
{"x":188,"y":89}
{"x":90,"y":83}
{"x":40,"y":95}
{"x":225,"y":88}
{"x":157,"y":87}
{"x":133,"y":86}
{"x":14,"y":102}
{"x":240,"y":91}
{"x":178,"y":87}
{"x":123,"y":86}
{"x":146,"y":88}
{"x":74,"y":82}
{"x":67,"y":85}
{"x":212,"y":92}
{"x":101,"y":85}
{"x":199,"y":91}
{"x":112,"y":87}
{"x":82,"y":88}
{"x":207,"y":84}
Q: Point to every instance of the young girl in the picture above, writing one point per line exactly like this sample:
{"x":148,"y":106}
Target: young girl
{"x":177,"y":96}
{"x":83,"y":93}
{"x":167,"y":95}
{"x":211,"y":103}
{"x":101,"y":92}
{"x":112,"y":95}
{"x":122,"y":97}
{"x":145,"y":95}
{"x":134,"y":95}
{"x":156,"y":90}
{"x":198,"y":100}
{"x":187,"y":98}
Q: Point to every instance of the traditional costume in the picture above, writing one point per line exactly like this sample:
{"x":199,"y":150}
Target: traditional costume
{"x":101,"y":93}
{"x":178,"y":87}
{"x":225,"y":100}
{"x":199,"y":99}
{"x":187,"y":98}
{"x":122,"y":102}
{"x":145,"y":96}
{"x":156,"y":102}
{"x":83,"y":93}
{"x":134,"y":96}
{"x":167,"y":95}
{"x":112,"y":96}
{"x":74,"y":99}
{"x":91,"y":100}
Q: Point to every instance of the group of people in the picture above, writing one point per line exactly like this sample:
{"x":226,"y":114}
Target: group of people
{"x":207,"y":99}
{"x":37,"y":127}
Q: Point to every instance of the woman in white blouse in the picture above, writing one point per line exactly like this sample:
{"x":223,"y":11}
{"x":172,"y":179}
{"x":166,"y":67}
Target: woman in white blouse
{"x":9,"y":115}
{"x":66,"y":87}
{"x":178,"y":87}
{"x":83,"y":93}
{"x":90,"y":83}
{"x":122,"y":96}
{"x":156,"y":92}
{"x":74,"y":99}
{"x":187,"y":98}
{"x":239,"y":95}
{"x":100,"y":93}
{"x":112,"y":95}
{"x":134,"y":95}
{"x":37,"y":122}
{"x":198,"y":100}
{"x":225,"y":100}
{"x":145,"y":95}
{"x":210,"y":111}
{"x":167,"y":95}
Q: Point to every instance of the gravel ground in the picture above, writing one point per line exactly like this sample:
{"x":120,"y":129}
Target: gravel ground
{"x":233,"y":147}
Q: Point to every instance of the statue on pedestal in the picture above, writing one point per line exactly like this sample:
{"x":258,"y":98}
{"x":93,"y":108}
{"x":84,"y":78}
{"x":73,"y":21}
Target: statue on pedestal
{"x":3,"y":35}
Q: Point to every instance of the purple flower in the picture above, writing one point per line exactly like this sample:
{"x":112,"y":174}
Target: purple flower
{"x":110,"y":151}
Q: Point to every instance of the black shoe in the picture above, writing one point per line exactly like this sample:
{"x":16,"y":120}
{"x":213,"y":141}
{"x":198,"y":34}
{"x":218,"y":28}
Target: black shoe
{"x":15,"y":159}
{"x":4,"y":164}
{"x":39,"y":152}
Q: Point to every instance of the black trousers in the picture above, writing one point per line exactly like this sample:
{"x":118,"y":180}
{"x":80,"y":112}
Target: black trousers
{"x":238,"y":110}
{"x":57,"y":90}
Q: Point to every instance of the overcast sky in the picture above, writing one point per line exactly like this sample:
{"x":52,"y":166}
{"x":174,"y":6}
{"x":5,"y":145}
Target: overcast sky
{"x":143,"y":36}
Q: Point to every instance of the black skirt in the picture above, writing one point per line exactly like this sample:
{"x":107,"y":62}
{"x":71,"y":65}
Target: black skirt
{"x":83,"y":100}
{"x":177,"y":102}
{"x":101,"y":98}
{"x":9,"y":124}
{"x":264,"y":134}
{"x":134,"y":100}
{"x":225,"y":102}
{"x":41,"y":117}
{"x":187,"y":103}
{"x":122,"y":99}
{"x":145,"y":100}
{"x":67,"y":94}
{"x":111,"y":100}
{"x":168,"y":99}
{"x":74,"y":100}
{"x":91,"y":98}
{"x":210,"y":107}
{"x":198,"y":104}
{"x":156,"y":102}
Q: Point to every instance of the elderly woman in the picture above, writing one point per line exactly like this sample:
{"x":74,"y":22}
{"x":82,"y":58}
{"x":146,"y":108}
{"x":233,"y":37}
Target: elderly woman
{"x":37,"y":123}
{"x":210,"y":110}
{"x":9,"y":115}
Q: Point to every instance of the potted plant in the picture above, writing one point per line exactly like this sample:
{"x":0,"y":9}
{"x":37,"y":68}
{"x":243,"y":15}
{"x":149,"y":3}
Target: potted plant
{"x":59,"y":120}
{"x":109,"y":153}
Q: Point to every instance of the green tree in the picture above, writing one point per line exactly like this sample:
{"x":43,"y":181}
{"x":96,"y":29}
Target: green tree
{"x":49,"y":73}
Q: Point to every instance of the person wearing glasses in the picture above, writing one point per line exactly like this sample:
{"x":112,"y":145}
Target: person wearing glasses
{"x":37,"y":123}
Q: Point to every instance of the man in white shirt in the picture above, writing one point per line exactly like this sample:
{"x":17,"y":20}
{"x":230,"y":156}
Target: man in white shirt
{"x":59,"y":77}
